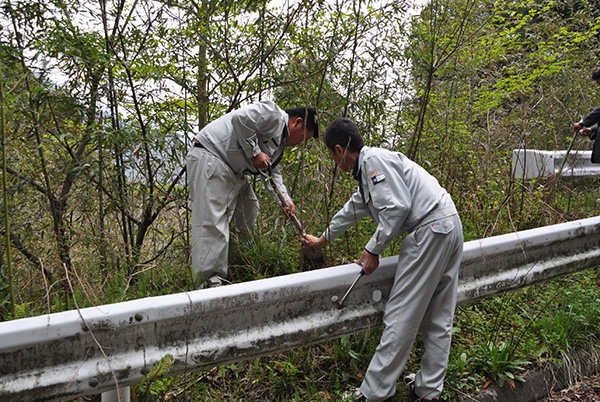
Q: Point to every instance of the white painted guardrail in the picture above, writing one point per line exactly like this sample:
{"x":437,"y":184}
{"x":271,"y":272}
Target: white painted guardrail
{"x":66,"y":355}
{"x":532,"y":163}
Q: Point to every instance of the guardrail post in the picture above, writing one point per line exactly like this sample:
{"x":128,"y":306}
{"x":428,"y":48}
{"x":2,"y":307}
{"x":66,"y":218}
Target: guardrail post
{"x":113,"y":396}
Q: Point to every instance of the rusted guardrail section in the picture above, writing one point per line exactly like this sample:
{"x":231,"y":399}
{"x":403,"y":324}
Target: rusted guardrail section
{"x":70,"y":354}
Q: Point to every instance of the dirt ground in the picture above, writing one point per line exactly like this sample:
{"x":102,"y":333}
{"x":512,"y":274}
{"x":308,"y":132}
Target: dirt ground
{"x":588,"y":390}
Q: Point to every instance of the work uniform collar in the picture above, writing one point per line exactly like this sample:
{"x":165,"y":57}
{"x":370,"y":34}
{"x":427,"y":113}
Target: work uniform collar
{"x":286,"y":133}
{"x":356,"y":174}
{"x":279,"y":151}
{"x":356,"y":169}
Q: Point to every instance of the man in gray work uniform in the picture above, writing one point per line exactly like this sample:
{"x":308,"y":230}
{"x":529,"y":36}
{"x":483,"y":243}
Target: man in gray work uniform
{"x":401,"y":197}
{"x":224,"y":152}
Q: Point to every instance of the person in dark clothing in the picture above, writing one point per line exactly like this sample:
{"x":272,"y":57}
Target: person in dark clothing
{"x":588,"y":126}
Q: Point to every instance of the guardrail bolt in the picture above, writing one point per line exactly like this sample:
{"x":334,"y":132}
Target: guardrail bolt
{"x":377,"y":295}
{"x":141,"y":341}
{"x":94,"y":382}
{"x":139,"y":317}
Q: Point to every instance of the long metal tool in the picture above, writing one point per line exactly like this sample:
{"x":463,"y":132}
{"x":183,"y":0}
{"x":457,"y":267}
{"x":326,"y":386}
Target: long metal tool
{"x":340,"y":303}
{"x":295,"y":221}
{"x":313,"y":256}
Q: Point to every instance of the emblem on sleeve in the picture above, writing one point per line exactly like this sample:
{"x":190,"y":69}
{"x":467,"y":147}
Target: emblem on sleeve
{"x":378,"y":178}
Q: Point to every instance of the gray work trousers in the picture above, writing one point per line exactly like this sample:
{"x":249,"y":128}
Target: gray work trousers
{"x":423,"y":298}
{"x":217,"y":195}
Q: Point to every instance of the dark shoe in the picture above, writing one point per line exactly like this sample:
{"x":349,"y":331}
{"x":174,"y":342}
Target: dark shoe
{"x":363,"y":398}
{"x":409,"y":382}
{"x":213,"y":282}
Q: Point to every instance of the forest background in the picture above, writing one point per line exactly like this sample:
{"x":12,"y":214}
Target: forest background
{"x":99,"y":101}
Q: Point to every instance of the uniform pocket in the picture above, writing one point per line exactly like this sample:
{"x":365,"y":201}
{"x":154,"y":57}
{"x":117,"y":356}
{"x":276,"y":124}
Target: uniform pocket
{"x":442,"y":227}
{"x":210,"y":166}
{"x":381,"y":195}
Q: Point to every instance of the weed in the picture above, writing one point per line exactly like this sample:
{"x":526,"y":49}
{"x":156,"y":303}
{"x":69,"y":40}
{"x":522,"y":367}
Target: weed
{"x":460,"y":371}
{"x":22,"y":310}
{"x":154,"y":386}
{"x":498,"y":362}
{"x":257,"y":258}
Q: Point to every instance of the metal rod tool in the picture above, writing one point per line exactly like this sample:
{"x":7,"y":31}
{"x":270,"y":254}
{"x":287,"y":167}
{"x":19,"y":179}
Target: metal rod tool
{"x":312,"y":256}
{"x":339,"y":304}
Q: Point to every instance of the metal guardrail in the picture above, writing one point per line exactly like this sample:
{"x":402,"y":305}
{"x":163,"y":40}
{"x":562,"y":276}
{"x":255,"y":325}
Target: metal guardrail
{"x":74,"y":353}
{"x":532,"y":163}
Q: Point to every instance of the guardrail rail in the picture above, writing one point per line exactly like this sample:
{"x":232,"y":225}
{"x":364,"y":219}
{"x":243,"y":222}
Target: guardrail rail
{"x":533,"y":163}
{"x":70,"y":354}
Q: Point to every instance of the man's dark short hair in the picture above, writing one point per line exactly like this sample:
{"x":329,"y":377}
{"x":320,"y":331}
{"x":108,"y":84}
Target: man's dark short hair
{"x":596,"y":75}
{"x":343,"y":132}
{"x":310,"y":118}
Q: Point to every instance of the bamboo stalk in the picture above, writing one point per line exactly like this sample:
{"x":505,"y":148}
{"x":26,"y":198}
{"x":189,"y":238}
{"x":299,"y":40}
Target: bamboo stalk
{"x":11,"y":278}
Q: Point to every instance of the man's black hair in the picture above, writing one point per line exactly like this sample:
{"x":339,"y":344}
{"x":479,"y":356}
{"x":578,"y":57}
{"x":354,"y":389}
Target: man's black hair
{"x":343,"y":132}
{"x":596,"y":75}
{"x":310,"y":118}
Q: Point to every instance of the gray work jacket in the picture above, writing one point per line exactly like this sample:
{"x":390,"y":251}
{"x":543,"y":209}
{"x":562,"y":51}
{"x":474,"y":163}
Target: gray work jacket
{"x":244,"y":133}
{"x":396,"y":192}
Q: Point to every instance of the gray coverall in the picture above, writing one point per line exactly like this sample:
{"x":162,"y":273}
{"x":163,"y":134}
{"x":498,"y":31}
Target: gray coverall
{"x":219,"y":189}
{"x":402,"y":197}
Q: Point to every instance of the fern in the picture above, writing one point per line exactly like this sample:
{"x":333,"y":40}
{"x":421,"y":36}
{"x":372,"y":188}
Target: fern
{"x":154,"y":386}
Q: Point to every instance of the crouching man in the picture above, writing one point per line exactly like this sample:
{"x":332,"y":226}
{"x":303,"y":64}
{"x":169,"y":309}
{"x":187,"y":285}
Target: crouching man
{"x":401,"y":197}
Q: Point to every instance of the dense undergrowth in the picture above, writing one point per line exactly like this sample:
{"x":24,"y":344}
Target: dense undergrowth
{"x":495,"y":341}
{"x":97,"y":215}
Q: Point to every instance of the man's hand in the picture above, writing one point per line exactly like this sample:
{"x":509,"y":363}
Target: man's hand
{"x":577,"y":127}
{"x":586,"y":131}
{"x":312,"y":241}
{"x":261,"y":161}
{"x":289,"y":209}
{"x":368,"y":261}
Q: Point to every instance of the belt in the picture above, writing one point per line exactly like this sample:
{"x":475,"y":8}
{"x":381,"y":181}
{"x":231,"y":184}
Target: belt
{"x":199,"y":145}
{"x":435,"y":215}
